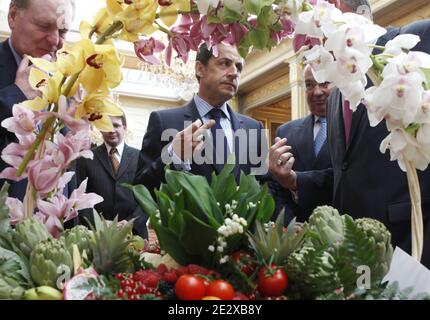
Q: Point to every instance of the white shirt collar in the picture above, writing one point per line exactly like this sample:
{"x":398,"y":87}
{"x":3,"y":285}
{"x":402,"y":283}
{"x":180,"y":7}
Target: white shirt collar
{"x":119,"y":148}
{"x":17,"y":57}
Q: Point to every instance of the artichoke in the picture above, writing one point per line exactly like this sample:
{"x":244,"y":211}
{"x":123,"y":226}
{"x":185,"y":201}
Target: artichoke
{"x":46,"y":259}
{"x":10,"y":288}
{"x":327,"y":223}
{"x":381,"y":241}
{"x":28,"y":233}
{"x":79,"y":235}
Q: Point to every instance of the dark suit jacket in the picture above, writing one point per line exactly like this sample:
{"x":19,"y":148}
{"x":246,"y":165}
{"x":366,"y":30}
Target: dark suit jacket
{"x":118,"y":200}
{"x":300,"y":137}
{"x":365,"y":182}
{"x":151,"y":167}
{"x":10,"y":94}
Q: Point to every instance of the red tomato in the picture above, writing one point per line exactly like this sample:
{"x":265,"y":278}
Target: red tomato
{"x":221,"y":289}
{"x":189,"y":287}
{"x":272,"y":281}
{"x":244,"y":261}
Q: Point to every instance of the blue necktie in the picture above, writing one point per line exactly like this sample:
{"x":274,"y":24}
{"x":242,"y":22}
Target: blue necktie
{"x":216,"y":114}
{"x":321,"y":135}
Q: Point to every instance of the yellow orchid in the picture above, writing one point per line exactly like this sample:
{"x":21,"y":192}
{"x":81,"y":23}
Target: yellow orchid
{"x":102,"y":21}
{"x":70,"y":60}
{"x":48,"y":85}
{"x":169,"y":10}
{"x":137,"y":17}
{"x":102,"y":67}
{"x":97,"y":107}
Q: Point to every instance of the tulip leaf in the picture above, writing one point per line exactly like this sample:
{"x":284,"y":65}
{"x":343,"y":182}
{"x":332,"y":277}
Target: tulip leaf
{"x":164,"y":205}
{"x":170,"y":242}
{"x":197,"y":236}
{"x":143,"y":198}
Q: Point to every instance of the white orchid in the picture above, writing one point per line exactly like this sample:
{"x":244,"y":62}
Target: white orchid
{"x":404,"y":147}
{"x":397,"y":99}
{"x":203,"y":5}
{"x":401,"y":43}
{"x":310,"y":22}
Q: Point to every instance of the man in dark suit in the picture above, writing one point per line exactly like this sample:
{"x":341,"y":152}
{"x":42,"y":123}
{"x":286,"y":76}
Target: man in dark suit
{"x":307,"y":139}
{"x":37,"y":30}
{"x":176,"y":135}
{"x":114,"y":163}
{"x":365,"y":183}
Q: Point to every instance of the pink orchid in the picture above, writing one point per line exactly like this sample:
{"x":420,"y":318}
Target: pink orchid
{"x":23,"y":121}
{"x":146,"y":48}
{"x":44,"y":175}
{"x":69,"y":148}
{"x":301,"y":40}
{"x":13,"y":154}
{"x":59,"y":209}
{"x":16,"y":210}
{"x":84,"y":200}
{"x":66,"y":112}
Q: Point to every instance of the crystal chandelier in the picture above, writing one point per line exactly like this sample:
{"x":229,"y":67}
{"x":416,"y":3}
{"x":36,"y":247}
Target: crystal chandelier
{"x":178,"y":77}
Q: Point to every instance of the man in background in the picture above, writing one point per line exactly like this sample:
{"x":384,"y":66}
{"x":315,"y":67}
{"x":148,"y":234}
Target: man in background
{"x":114,"y":163}
{"x":38,"y":29}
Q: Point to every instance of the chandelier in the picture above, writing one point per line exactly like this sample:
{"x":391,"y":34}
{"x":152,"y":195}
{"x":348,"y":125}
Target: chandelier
{"x":179,"y":77}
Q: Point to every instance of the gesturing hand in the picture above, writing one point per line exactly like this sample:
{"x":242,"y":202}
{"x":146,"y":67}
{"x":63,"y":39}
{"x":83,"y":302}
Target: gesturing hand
{"x":190,"y":139}
{"x":281,"y":162}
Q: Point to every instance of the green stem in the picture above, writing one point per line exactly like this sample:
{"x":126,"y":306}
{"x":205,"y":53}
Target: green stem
{"x":40,"y":137}
{"x":173,"y":13}
{"x":161,"y":28}
{"x":374,"y":46}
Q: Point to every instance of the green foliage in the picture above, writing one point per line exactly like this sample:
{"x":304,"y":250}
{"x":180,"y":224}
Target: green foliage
{"x":188,"y":211}
{"x":14,"y":275}
{"x":109,"y":246}
{"x":328,"y":265}
{"x":273,"y":244}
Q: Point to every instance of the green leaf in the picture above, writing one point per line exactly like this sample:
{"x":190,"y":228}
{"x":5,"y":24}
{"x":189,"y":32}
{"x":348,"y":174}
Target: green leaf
{"x":197,"y":237}
{"x":177,"y":223}
{"x":164,"y":205}
{"x":4,"y":210}
{"x":230,"y":16}
{"x":143,"y":198}
{"x":255,"y":6}
{"x":170,"y":242}
{"x":259,"y":37}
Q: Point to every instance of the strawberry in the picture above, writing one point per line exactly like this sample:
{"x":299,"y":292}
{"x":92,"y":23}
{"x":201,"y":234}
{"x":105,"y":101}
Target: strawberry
{"x":170,"y":276}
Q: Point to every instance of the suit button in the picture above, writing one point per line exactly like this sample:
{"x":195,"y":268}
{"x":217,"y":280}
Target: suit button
{"x":344,"y":166}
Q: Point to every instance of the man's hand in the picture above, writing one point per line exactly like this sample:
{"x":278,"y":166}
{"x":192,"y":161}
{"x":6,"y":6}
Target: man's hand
{"x":190,"y":139}
{"x":21,"y":79}
{"x":280,"y":164}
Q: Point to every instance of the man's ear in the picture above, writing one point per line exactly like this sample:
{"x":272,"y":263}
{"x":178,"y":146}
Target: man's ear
{"x":11,"y":16}
{"x":200,"y":69}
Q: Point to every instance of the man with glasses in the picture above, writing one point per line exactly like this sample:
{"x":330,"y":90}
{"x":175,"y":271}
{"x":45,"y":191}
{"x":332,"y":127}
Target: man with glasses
{"x":307,"y":141}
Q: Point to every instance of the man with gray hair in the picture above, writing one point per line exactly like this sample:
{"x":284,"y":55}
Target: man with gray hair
{"x":38,"y":29}
{"x":364,"y":182}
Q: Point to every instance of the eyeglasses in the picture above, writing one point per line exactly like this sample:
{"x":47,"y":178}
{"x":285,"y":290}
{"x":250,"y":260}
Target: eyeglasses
{"x":312,"y":85}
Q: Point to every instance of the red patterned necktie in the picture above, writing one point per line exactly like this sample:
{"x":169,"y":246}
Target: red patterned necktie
{"x":114,"y":160}
{"x":347,"y":119}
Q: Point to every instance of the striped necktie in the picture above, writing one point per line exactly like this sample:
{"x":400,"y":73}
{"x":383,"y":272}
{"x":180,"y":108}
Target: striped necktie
{"x":114,"y":160}
{"x":321,"y":135}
